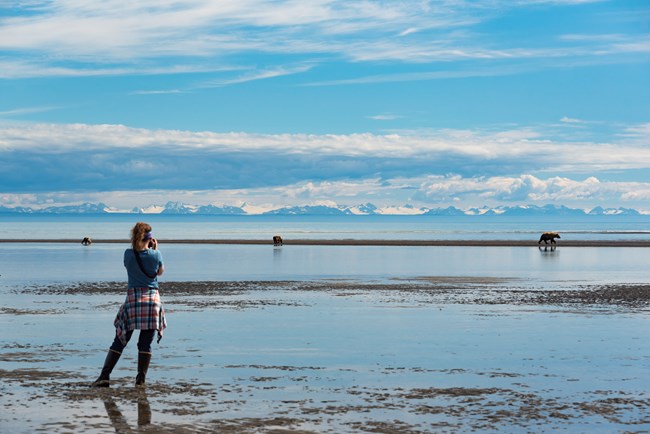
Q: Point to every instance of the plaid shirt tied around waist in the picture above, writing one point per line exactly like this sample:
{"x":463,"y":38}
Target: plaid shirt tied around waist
{"x":142,"y":310}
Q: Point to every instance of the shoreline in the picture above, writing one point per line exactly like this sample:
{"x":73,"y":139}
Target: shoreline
{"x":358,"y":242}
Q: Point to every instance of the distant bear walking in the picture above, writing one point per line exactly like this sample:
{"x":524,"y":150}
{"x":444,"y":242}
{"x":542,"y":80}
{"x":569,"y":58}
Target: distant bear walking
{"x":546,"y":236}
{"x":277,"y":240}
{"x":86,"y":241}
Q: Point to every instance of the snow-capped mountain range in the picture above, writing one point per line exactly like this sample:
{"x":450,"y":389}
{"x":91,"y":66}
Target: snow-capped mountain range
{"x":329,"y":209}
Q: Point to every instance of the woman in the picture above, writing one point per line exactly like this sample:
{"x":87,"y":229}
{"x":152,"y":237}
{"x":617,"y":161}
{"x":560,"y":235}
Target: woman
{"x":142,"y":309}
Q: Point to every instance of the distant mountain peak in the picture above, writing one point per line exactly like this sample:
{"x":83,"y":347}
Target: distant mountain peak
{"x":84,"y":208}
{"x":328,"y":208}
{"x":613,"y":211}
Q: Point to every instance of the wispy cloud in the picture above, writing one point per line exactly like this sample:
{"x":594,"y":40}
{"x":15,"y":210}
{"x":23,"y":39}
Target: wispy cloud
{"x":149,"y":28}
{"x":638,"y":135}
{"x":384,"y":117}
{"x":26,"y":111}
{"x":262,"y":74}
{"x":408,"y":31}
{"x":568,"y":120}
{"x":158,"y":92}
{"x":71,"y":38}
{"x":558,"y":2}
{"x":474,"y":61}
{"x":613,"y":37}
{"x":425,"y":76}
{"x":19,"y":69}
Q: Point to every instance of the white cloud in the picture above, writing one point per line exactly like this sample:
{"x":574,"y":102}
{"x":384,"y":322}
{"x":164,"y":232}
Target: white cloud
{"x":408,"y":31}
{"x":427,"y":75}
{"x":38,"y":68}
{"x":27,"y":110}
{"x":430,"y":167}
{"x":384,"y":117}
{"x":115,"y":29}
{"x":639,"y":131}
{"x":640,"y":193}
{"x":531,"y":189}
{"x":334,"y":189}
{"x":637,"y":135}
{"x":262,"y":74}
{"x":157,"y":92}
{"x":569,"y":120}
{"x":73,"y":38}
{"x":429,"y":191}
{"x":559,"y":2}
{"x":594,"y":37}
{"x":524,"y":145}
{"x":639,"y":45}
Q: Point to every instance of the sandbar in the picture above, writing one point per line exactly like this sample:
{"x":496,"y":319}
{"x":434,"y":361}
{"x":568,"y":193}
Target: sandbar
{"x":366,"y":242}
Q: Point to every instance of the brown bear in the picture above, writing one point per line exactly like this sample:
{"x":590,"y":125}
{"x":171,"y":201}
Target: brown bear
{"x":277,"y":240}
{"x":546,"y":236}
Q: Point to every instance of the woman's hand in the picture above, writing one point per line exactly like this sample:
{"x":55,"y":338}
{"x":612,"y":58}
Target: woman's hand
{"x":153,"y":244}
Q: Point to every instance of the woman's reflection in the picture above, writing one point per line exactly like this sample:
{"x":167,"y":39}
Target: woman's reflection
{"x":119,"y":421}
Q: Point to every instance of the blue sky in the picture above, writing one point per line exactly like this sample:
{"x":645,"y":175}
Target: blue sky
{"x":429,"y":103}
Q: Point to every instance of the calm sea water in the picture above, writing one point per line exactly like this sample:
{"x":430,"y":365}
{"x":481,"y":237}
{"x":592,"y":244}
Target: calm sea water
{"x":51,"y":262}
{"x":26,"y":263}
{"x":39,"y":226}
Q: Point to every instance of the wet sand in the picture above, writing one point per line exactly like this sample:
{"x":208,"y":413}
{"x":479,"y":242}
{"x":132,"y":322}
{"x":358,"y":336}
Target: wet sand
{"x":358,"y":242}
{"x":449,"y":410}
{"x":228,"y":371}
{"x":437,"y":290}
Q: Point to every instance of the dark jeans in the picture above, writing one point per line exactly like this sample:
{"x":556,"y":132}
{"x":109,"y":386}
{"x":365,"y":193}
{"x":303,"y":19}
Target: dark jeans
{"x":144,"y":341}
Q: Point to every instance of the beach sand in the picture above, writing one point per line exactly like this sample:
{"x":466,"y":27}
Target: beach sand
{"x":427,"y":354}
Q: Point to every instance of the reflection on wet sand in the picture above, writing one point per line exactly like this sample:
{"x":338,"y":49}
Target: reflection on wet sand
{"x":119,"y":422}
{"x":144,"y":410}
{"x":115,"y":415}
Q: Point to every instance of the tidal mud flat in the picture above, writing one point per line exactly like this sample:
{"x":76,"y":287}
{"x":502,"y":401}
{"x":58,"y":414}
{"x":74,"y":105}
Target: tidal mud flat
{"x":416,"y":355}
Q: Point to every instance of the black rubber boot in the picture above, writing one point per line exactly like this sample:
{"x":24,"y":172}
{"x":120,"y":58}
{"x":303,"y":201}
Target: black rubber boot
{"x":143,"y":365}
{"x":104,"y":378}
